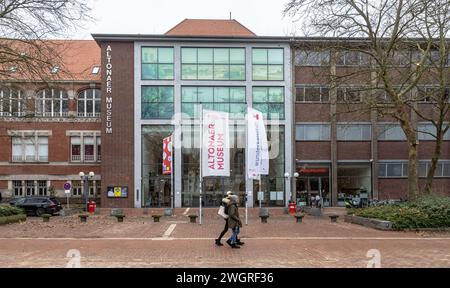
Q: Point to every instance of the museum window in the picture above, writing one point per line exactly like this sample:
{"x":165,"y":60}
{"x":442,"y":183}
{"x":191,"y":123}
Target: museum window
{"x":85,"y":148}
{"x":225,"y":99}
{"x":393,"y":169}
{"x":157,"y":63}
{"x":30,"y":188}
{"x":89,"y":103}
{"x":157,"y":102}
{"x":304,"y":57}
{"x":312,"y":94}
{"x":12,"y":102}
{"x":312,"y":132}
{"x":42,"y":187}
{"x":18,"y":188}
{"x":391,"y":132}
{"x":52,"y":103}
{"x":268,"y":64}
{"x":212,"y":63}
{"x":428,"y":132}
{"x":269,"y":101}
{"x":354,"y":132}
{"x":32,"y":148}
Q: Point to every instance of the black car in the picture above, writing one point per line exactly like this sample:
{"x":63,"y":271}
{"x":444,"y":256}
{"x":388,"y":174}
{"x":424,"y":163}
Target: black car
{"x":39,"y":205}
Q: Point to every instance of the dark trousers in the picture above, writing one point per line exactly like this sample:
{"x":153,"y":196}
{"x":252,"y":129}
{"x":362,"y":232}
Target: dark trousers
{"x":225,"y":229}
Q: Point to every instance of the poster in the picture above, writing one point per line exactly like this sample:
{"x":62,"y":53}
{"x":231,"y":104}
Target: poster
{"x":117,"y":191}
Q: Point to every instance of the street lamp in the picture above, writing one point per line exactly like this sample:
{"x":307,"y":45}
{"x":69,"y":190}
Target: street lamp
{"x":85,"y":179}
{"x":289,"y":179}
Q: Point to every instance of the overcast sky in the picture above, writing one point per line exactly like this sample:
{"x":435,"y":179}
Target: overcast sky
{"x":263,"y":17}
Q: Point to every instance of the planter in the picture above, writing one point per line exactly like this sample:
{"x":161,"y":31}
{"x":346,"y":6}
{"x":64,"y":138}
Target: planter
{"x":83,"y":218}
{"x":193,"y":218}
{"x":156,"y":218}
{"x":46,"y":217}
{"x":299,"y":217}
{"x":369,"y":222}
{"x":12,"y":219}
{"x":120,"y":218}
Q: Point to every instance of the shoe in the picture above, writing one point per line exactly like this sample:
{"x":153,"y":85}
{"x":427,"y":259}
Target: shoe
{"x":229,"y":242}
{"x":235,"y":246}
{"x":218,"y":243}
{"x":240,"y":243}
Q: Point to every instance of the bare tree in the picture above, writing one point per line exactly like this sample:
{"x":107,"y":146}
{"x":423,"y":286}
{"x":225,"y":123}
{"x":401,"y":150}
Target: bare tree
{"x":397,"y":38}
{"x":25,"y":26}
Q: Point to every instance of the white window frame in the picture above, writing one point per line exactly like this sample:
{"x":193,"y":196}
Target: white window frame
{"x":43,"y":98}
{"x":82,"y":158}
{"x":83,"y":98}
{"x":21,"y":138}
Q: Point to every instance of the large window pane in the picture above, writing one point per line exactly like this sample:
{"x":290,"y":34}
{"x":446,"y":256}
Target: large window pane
{"x":260,"y":72}
{"x":259,"y":94}
{"x":221,"y":72}
{"x":205,"y":72}
{"x":165,"y":71}
{"x":275,"y":56}
{"x":221,"y":94}
{"x":188,"y":72}
{"x":188,"y":55}
{"x":149,"y":55}
{"x":221,"y":56}
{"x":276,"y":94}
{"x":149,"y":71}
{"x":237,"y":72}
{"x":189,"y":94}
{"x":237,"y":94}
{"x":205,"y":55}
{"x":259,"y":56}
{"x":165,"y":55}
{"x":275,"y":72}
{"x":237,"y":56}
{"x":205,"y":94}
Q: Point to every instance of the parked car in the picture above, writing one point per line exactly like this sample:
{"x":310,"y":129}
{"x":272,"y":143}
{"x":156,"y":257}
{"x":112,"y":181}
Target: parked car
{"x":17,"y":200}
{"x":40,"y":205}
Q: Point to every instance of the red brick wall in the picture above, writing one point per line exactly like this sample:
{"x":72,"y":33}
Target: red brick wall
{"x":353,"y":150}
{"x":392,"y":150}
{"x":118,"y":151}
{"x":312,"y":112}
{"x":312,"y":150}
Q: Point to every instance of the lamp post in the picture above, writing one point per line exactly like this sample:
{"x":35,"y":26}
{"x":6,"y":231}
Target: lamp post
{"x":289,"y":181}
{"x":85,"y":179}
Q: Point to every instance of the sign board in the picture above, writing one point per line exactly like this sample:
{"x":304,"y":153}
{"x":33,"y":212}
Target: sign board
{"x":67,"y":192}
{"x":276,"y":195}
{"x":67,"y":186}
{"x":260,"y":196}
{"x":117,"y":192}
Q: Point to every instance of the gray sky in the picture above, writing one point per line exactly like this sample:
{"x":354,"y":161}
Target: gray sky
{"x":263,"y":17}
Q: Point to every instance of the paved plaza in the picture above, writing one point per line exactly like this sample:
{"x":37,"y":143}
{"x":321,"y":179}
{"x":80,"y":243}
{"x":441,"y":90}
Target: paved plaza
{"x":174,"y":242}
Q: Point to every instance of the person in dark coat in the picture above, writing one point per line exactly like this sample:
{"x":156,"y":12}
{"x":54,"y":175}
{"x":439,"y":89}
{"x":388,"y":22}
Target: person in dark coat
{"x":234,"y":223}
{"x":225,"y":203}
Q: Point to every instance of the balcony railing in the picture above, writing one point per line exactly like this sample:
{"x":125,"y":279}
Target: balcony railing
{"x":89,"y":158}
{"x":76,"y":158}
{"x":88,"y":115}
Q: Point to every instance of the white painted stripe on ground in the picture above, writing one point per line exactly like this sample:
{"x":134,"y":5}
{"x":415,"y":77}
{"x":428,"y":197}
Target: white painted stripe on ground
{"x":186,"y":211}
{"x":169,"y":230}
{"x":243,"y":237}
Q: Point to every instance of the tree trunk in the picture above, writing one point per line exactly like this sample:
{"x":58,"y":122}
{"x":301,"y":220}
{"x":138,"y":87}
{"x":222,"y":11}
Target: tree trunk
{"x":413,"y":179}
{"x":434,"y":160}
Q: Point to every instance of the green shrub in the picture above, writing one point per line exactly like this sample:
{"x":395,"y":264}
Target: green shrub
{"x":7,"y":210}
{"x":12,"y":219}
{"x":426,"y":212}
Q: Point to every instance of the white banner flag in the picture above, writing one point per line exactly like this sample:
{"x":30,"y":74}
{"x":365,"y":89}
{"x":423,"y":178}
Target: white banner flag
{"x":215,"y":144}
{"x":258,"y":148}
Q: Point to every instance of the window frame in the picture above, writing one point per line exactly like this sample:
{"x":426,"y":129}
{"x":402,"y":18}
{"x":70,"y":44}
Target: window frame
{"x":212,"y":63}
{"x":323,"y":125}
{"x":268,"y":65}
{"x":269,"y":103}
{"x":158,"y":87}
{"x":157,"y":63}
{"x":19,"y":101}
{"x":22,"y":141}
{"x":96,"y":103}
{"x":42,"y":99}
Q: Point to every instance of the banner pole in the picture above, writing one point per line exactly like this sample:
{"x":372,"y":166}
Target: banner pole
{"x":201,"y":162}
{"x":259,"y":190}
{"x":246,"y":170}
{"x":172,"y":205}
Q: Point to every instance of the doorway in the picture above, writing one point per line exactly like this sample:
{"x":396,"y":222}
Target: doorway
{"x":311,"y":183}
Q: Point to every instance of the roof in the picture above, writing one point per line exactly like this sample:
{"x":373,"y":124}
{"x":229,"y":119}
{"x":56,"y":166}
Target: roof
{"x":210,"y":27}
{"x":75,"y":60}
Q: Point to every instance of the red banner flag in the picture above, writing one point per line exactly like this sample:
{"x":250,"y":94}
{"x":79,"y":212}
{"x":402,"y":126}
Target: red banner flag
{"x":167,"y":155}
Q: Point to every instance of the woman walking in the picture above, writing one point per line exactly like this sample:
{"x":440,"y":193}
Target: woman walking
{"x":234,"y":222}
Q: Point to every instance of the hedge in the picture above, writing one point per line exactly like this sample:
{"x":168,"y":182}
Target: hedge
{"x":7,"y":210}
{"x":12,"y":219}
{"x":426,"y":212}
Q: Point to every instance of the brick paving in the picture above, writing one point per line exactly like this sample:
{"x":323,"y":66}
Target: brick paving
{"x":138,"y":242}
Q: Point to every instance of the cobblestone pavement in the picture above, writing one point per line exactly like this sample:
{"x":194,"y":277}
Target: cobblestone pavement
{"x":138,"y":242}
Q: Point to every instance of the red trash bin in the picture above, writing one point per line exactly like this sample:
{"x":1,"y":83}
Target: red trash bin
{"x":292,"y":207}
{"x":91,"y":207}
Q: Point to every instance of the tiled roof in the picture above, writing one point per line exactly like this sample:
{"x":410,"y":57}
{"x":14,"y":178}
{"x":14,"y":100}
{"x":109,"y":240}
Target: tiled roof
{"x":210,"y":27}
{"x":75,"y":59}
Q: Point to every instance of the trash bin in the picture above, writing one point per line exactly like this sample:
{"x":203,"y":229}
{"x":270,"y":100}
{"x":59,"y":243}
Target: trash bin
{"x":292,"y":207}
{"x":91,"y":207}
